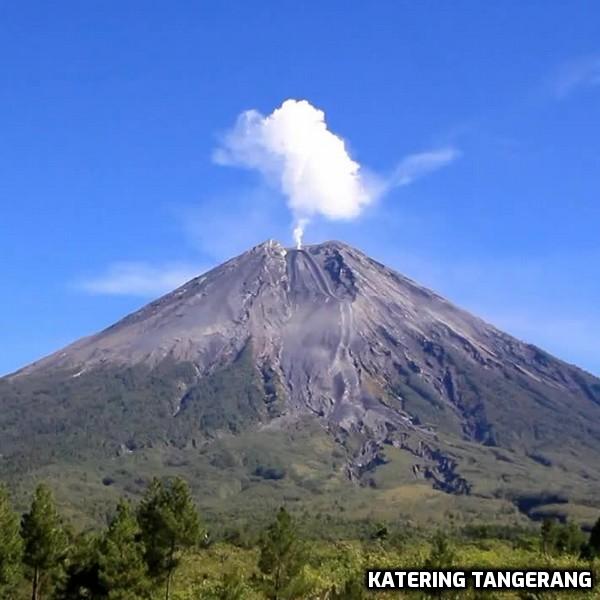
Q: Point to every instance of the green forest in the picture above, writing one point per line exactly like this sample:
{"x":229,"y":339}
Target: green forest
{"x":160,"y":548}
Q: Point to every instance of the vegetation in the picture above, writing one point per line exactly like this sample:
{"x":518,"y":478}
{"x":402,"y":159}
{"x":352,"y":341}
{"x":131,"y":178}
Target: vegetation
{"x":108,"y":431}
{"x":281,"y":559}
{"x":591,"y":549}
{"x":158,"y":550}
{"x":169,"y":526}
{"x":45,"y":541}
{"x":560,"y":538}
{"x":122,"y":570}
{"x":11,"y":545}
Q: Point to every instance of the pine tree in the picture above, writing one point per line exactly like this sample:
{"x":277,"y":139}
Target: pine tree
{"x":122,"y":569}
{"x":169,"y":523}
{"x":591,"y":550}
{"x":44,"y":538}
{"x":82,"y":578}
{"x":281,"y":558}
{"x":11,"y":545}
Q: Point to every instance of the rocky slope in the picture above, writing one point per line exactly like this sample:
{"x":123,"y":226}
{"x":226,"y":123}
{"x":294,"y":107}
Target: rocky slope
{"x":278,"y":337}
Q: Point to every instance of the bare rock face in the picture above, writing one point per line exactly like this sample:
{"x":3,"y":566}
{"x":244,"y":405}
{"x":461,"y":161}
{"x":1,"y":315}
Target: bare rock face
{"x":344,"y":335}
{"x":366,"y":351}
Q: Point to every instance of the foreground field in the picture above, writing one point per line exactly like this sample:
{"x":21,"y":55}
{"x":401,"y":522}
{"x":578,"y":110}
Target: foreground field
{"x":335,"y":570}
{"x":160,"y":548}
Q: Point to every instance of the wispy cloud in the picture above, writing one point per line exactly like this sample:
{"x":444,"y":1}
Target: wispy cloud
{"x":139,"y":279}
{"x":576,"y":74}
{"x":414,"y":166}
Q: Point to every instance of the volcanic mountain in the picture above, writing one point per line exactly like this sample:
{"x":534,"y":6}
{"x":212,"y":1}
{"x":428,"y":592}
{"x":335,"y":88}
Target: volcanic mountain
{"x":312,"y":376}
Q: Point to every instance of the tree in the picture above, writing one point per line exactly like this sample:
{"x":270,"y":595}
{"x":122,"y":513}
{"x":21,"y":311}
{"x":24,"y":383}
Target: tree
{"x":82,"y":578}
{"x":592,"y":548}
{"x":122,"y":569}
{"x":11,"y":544}
{"x":570,"y":539}
{"x":169,"y":524}
{"x":44,"y":538}
{"x":548,"y":535}
{"x":441,"y":555}
{"x":559,"y":538}
{"x":281,"y":558}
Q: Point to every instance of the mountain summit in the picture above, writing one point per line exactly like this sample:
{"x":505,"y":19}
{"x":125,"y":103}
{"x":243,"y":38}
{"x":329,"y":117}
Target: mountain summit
{"x":396,"y":389}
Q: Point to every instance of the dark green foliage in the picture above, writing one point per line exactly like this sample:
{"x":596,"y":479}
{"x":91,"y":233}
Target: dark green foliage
{"x":11,"y":544}
{"x":442,"y":557}
{"x":591,"y":550}
{"x":97,"y":414}
{"x":571,"y":539}
{"x":380,"y":532}
{"x":548,"y":535}
{"x":269,"y":472}
{"x":113,"y":564}
{"x":559,"y":538}
{"x":230,"y":399}
{"x":122,"y":569}
{"x":594,"y":541}
{"x":44,"y":538}
{"x":169,"y":524}
{"x":282,"y":558}
{"x":82,"y":577}
{"x":232,"y":587}
{"x":239,"y":537}
{"x":109,"y":430}
{"x":442,"y":554}
{"x":494,"y":531}
{"x":353,"y":589}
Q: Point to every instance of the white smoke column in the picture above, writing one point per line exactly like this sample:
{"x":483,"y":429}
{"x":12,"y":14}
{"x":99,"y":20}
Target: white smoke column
{"x":298,"y":232}
{"x":293,"y":148}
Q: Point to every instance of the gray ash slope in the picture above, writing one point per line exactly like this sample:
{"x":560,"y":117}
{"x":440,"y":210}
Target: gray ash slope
{"x":327,"y":334}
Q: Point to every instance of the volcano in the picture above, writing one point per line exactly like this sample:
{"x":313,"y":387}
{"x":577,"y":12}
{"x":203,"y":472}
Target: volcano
{"x":313,"y":375}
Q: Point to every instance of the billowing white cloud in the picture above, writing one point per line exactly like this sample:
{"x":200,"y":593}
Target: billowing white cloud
{"x":295,"y":151}
{"x":293,"y":148}
{"x":139,"y":279}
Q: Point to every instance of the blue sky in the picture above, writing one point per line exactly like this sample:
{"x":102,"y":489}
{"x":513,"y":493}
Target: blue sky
{"x":111,"y":112}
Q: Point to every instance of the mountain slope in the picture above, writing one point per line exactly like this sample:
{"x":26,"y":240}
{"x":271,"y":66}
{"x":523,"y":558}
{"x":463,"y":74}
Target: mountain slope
{"x":403,"y":389}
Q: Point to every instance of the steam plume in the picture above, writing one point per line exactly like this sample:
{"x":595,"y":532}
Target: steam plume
{"x":296,"y":151}
{"x":298,"y":232}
